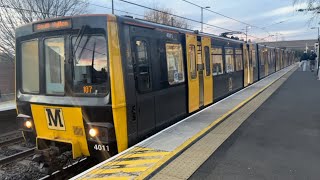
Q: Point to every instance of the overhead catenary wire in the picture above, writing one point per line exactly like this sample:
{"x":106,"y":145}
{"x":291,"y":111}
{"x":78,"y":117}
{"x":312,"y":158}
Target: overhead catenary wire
{"x":146,"y":7}
{"x":185,"y":18}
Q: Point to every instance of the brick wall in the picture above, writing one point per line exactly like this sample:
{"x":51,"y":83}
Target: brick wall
{"x":7,"y":77}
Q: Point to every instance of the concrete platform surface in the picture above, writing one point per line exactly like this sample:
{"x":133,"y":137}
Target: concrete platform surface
{"x":7,"y":105}
{"x":280,"y":140}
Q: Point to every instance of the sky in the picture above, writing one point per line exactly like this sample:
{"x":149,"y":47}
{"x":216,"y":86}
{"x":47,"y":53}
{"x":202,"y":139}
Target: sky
{"x":269,"y":20}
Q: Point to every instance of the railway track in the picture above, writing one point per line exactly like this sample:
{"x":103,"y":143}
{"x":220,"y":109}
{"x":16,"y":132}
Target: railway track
{"x":17,"y":156}
{"x":12,"y":141}
{"x":10,"y":138}
{"x":70,"y":170}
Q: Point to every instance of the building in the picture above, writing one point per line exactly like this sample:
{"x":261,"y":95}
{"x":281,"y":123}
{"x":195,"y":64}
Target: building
{"x":7,"y":76}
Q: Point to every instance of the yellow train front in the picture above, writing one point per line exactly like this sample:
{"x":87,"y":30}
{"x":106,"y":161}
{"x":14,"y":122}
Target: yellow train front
{"x":64,"y":80}
{"x":94,"y":85}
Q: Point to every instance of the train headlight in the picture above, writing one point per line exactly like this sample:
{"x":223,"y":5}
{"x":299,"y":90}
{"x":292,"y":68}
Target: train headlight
{"x":28,"y":124}
{"x":93,"y":132}
{"x":25,"y":122}
{"x":102,"y":132}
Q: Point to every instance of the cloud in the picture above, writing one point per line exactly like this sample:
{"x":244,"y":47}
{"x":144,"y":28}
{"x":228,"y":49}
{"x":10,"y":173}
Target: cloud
{"x":284,"y":10}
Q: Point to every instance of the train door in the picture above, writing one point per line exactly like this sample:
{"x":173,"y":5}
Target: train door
{"x":193,"y":77}
{"x":200,"y":69}
{"x":207,"y":76}
{"x":248,"y":74}
{"x":144,"y":50}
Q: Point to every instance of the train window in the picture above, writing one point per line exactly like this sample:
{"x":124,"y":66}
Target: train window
{"x":207,"y":60}
{"x":253,"y":57}
{"x":261,"y":57}
{"x":229,"y":60}
{"x":192,"y":58}
{"x":90,"y":65}
{"x":54,"y":60}
{"x":217,"y":67}
{"x":30,"y":66}
{"x":239,"y":64}
{"x":174,"y":63}
{"x":143,"y":66}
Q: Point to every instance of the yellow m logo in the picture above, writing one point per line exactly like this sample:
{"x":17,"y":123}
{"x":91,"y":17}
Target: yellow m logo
{"x":55,"y":119}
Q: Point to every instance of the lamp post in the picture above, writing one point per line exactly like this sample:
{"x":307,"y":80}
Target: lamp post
{"x":317,"y":52}
{"x":247,"y":27}
{"x":207,"y":7}
{"x":112,"y":6}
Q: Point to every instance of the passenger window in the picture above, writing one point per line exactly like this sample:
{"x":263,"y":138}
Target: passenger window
{"x":207,"y":60}
{"x":192,"y":60}
{"x":229,"y":60}
{"x":261,"y":56}
{"x":143,"y":70}
{"x":217,"y":67}
{"x":253,"y":57}
{"x":54,"y":60}
{"x":30,"y":66}
{"x":239,"y":64}
{"x":174,"y":63}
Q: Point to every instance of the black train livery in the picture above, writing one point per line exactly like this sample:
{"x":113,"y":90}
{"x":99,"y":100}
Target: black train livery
{"x":95,"y":85}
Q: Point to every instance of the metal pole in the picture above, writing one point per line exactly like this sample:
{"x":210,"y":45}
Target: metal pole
{"x":112,"y":7}
{"x":171,"y":21}
{"x":201,"y":19}
{"x":246,"y":33}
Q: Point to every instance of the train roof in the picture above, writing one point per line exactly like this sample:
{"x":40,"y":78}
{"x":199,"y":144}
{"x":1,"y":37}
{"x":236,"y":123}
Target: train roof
{"x":143,"y":22}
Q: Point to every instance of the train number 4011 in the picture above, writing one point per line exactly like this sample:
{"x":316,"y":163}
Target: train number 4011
{"x":101,"y":147}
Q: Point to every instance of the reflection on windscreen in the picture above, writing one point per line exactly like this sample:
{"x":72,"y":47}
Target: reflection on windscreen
{"x":90,"y":65}
{"x":54,"y":58}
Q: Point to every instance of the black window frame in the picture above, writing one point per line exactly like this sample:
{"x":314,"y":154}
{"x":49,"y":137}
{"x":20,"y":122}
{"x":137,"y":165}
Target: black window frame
{"x":71,"y":63}
{"x":20,"y":65}
{"x":207,"y":55}
{"x":43,"y":52}
{"x":137,"y":65}
{"x":182,"y":59}
{"x":222,"y":59}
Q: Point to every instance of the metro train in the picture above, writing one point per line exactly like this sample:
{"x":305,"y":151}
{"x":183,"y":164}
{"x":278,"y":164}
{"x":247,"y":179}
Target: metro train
{"x":95,"y":85}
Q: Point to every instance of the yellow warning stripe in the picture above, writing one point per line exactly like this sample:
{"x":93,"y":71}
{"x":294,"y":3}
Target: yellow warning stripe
{"x":112,"y":178}
{"x":117,"y":170}
{"x":131,"y":164}
{"x":134,"y":162}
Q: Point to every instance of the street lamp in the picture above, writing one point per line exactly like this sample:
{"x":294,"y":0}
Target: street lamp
{"x":247,"y":27}
{"x":207,"y":7}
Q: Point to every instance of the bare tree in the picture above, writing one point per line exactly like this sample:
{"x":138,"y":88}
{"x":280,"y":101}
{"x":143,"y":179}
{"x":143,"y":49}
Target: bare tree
{"x":163,"y":16}
{"x":14,"y":13}
{"x":313,"y":6}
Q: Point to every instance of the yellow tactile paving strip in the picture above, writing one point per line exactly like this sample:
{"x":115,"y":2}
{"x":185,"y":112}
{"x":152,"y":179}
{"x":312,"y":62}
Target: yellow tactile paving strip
{"x":128,"y":166}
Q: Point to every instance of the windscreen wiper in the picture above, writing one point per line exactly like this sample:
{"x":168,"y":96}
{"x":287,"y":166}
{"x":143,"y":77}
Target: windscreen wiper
{"x":92,"y":60}
{"x":78,"y":40}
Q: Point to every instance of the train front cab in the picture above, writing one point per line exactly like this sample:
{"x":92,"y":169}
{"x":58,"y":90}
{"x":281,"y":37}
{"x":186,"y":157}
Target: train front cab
{"x":66,"y":75}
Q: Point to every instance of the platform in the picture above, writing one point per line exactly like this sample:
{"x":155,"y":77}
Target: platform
{"x":7,"y":105}
{"x":280,"y":140}
{"x":150,"y":157}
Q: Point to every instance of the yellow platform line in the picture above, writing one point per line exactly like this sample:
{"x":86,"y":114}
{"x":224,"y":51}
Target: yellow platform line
{"x":148,"y":154}
{"x":117,"y":170}
{"x":183,"y":146}
{"x":132,"y":162}
{"x":110,"y":178}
